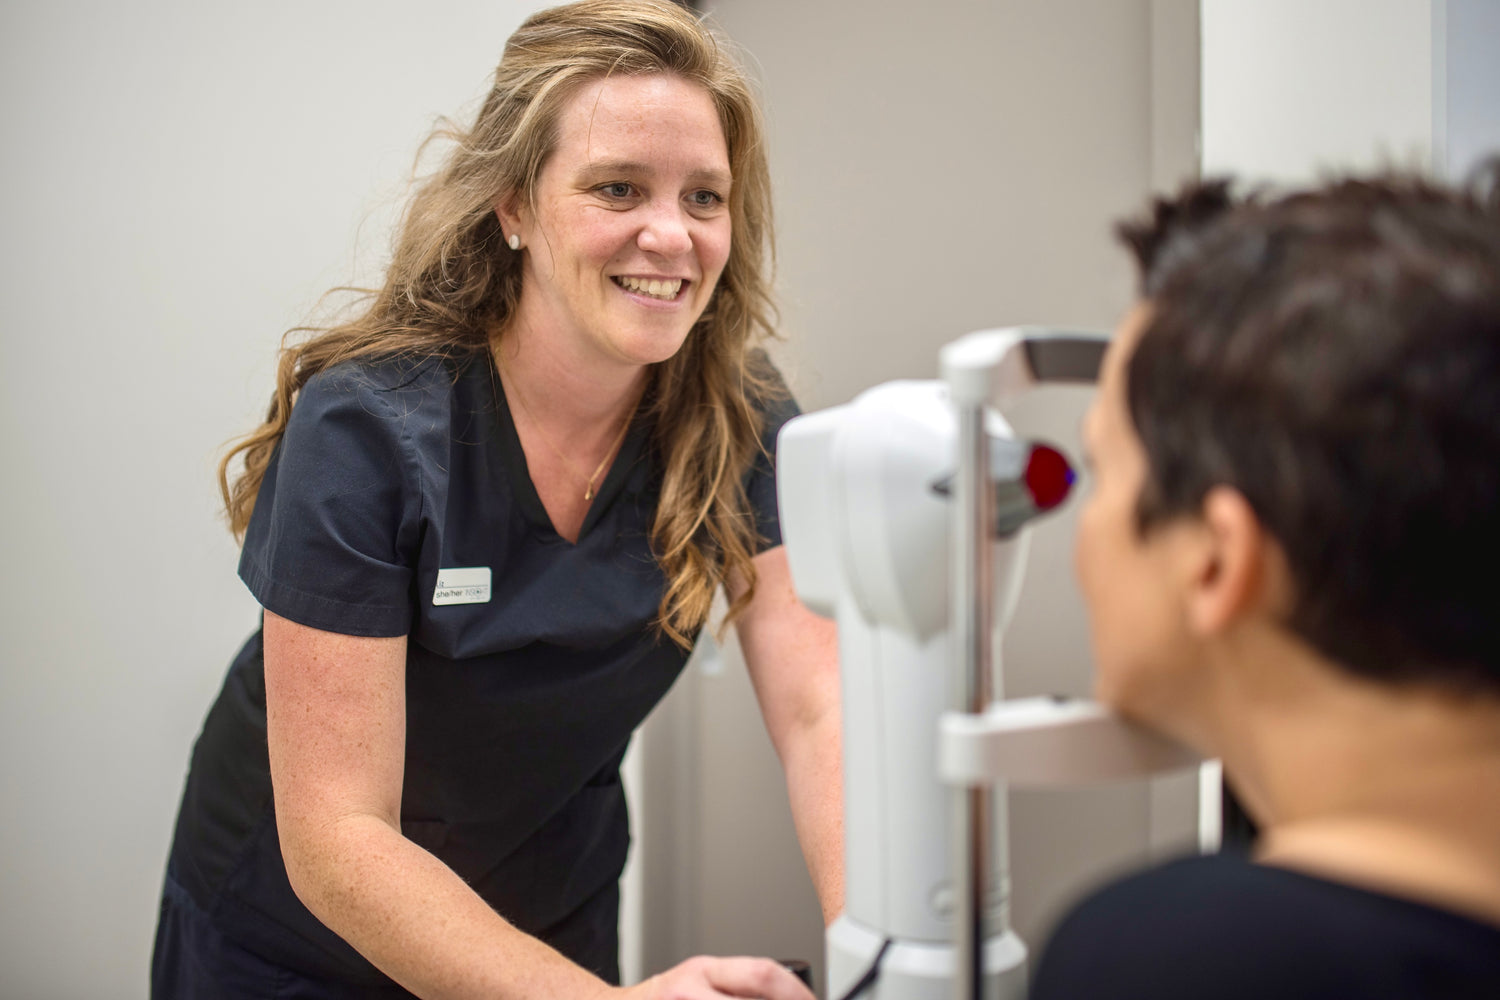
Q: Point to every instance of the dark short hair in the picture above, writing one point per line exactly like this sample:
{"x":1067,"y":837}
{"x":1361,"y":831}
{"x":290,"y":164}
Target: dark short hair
{"x":1334,"y":355}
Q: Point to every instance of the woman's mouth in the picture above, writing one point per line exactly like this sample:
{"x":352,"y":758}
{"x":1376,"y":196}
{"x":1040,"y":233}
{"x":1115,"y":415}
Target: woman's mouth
{"x":656,"y":288}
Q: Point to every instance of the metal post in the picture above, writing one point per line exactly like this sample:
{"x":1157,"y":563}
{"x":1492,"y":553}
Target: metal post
{"x":973,"y":587}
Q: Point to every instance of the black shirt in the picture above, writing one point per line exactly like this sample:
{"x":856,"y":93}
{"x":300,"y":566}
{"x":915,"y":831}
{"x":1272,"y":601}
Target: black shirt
{"x":1221,"y":928}
{"x":527,"y":668}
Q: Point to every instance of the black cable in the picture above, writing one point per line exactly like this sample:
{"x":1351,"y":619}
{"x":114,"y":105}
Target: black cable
{"x":871,"y":974}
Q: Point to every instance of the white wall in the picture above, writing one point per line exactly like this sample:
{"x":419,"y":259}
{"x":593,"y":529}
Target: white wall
{"x":1292,"y":89}
{"x":182,"y":180}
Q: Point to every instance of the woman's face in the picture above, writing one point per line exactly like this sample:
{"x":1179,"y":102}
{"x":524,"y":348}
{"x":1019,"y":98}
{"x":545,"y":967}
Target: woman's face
{"x":1131,"y":584}
{"x":630,"y":229}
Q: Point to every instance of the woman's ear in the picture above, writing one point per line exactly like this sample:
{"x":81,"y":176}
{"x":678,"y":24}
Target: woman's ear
{"x":510,"y":210}
{"x":1234,"y":562}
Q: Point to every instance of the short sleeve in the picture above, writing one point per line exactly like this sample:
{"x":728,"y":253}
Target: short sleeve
{"x":760,"y":484}
{"x":331,"y":541}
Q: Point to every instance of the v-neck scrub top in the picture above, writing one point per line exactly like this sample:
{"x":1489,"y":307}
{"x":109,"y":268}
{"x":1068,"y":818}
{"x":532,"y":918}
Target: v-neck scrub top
{"x":398,"y":503}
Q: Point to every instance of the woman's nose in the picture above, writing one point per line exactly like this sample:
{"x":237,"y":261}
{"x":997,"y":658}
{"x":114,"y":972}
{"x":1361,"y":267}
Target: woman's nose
{"x":665,"y":232}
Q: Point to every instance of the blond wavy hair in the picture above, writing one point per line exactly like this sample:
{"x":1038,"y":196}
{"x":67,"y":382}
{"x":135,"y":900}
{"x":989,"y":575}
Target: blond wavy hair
{"x":452,"y":285}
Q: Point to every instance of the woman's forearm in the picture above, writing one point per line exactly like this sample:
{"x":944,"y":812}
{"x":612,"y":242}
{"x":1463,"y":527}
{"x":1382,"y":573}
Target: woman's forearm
{"x":814,"y":780}
{"x":418,"y":922}
{"x":792,"y":657}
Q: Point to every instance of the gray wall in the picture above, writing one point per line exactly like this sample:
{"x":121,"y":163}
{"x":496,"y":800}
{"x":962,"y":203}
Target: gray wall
{"x":1467,"y":90}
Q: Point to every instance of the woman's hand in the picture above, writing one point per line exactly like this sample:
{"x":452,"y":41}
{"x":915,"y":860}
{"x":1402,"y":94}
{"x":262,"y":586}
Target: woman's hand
{"x":705,"y":978}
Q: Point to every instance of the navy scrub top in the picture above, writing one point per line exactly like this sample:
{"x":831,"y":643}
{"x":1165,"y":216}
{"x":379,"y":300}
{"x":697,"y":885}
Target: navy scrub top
{"x":523,"y":684}
{"x":1220,"y":926}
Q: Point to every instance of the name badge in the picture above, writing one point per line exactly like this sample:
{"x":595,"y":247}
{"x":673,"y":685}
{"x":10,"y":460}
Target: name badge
{"x":463,"y":585}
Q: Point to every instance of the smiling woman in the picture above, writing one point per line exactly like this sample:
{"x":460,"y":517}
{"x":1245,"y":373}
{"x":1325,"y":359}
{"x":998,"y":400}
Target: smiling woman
{"x":629,"y":225}
{"x":628,"y":231}
{"x":486,"y":518}
{"x":625,"y":235}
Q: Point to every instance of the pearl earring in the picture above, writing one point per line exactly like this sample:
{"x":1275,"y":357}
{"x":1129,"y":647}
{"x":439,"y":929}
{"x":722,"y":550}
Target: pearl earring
{"x":514,"y":242}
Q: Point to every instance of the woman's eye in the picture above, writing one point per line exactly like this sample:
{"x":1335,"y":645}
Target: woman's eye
{"x":705,"y":199}
{"x":619,"y":189}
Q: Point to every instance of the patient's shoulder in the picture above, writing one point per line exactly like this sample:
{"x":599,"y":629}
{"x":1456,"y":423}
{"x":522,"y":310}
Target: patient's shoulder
{"x":1222,"y":927}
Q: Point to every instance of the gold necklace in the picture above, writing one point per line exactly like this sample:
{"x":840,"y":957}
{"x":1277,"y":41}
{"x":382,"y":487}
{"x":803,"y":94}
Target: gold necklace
{"x":588,"y":490}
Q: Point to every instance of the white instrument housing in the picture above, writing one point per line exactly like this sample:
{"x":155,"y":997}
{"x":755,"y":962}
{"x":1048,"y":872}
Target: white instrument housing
{"x":867,"y":540}
{"x":870,"y":494}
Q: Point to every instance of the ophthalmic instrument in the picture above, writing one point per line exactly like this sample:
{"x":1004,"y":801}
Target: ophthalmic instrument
{"x":904,"y":515}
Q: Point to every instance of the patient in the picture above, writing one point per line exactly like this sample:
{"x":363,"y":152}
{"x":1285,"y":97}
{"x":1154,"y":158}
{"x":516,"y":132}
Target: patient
{"x":1291,"y":558}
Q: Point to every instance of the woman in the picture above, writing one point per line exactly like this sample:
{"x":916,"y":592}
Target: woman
{"x":485,"y":520}
{"x":1294,"y":450}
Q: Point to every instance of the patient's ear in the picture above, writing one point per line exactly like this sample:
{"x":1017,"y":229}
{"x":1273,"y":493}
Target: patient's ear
{"x":1235,"y":566}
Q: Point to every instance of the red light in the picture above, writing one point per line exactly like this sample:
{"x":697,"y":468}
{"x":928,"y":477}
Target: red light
{"x":1048,"y":477}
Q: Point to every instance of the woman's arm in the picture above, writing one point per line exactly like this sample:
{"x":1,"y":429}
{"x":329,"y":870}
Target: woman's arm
{"x":792,"y":657}
{"x":336,"y":725}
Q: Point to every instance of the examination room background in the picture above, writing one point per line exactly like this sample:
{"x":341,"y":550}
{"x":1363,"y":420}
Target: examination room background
{"x":184,"y":179}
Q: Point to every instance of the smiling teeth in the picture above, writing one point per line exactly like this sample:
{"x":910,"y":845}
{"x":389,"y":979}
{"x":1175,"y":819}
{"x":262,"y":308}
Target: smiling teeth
{"x":653,"y":288}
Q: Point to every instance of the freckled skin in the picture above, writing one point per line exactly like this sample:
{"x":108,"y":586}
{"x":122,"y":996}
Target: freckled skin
{"x":638,"y":187}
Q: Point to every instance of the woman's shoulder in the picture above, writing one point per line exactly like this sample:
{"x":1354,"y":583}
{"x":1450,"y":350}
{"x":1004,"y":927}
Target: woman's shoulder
{"x":393,"y":385}
{"x":394,"y":373}
{"x":1224,"y":924}
{"x":1224,"y":893}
